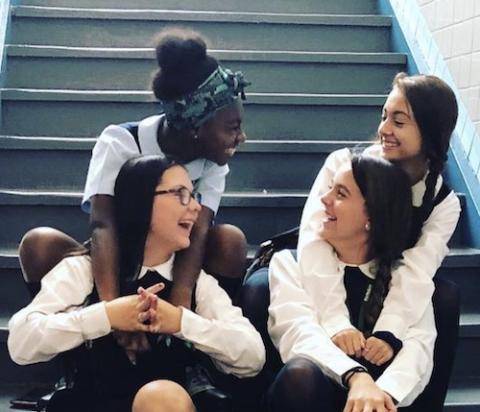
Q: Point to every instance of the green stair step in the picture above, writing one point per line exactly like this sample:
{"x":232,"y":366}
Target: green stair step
{"x":225,"y":30}
{"x":267,"y":115}
{"x":278,"y":6}
{"x":269,"y":72}
{"x":23,"y":160}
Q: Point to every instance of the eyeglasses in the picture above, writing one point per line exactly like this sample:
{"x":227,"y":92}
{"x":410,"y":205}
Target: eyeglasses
{"x":183,"y":194}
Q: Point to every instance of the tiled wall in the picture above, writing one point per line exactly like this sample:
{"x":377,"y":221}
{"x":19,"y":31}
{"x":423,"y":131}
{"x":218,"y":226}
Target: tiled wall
{"x":455,"y":25}
{"x":444,"y":37}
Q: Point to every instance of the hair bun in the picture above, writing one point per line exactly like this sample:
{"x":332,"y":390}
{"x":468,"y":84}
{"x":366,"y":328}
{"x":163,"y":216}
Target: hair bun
{"x":178,"y":49}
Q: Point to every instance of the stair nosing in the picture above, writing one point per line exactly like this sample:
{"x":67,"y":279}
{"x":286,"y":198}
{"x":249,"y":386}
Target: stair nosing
{"x":362,"y":20}
{"x":250,"y":146}
{"x":15,"y":50}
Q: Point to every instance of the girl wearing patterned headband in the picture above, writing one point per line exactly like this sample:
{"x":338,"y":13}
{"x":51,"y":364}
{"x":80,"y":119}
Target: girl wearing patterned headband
{"x":200,"y":126}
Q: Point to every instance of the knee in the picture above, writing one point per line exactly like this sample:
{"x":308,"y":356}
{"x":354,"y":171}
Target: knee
{"x":226,"y":251}
{"x":298,"y":371}
{"x":254,"y":296}
{"x":162,"y":395}
{"x":41,"y":249}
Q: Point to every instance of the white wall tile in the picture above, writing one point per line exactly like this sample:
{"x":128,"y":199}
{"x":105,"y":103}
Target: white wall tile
{"x":462,"y":38}
{"x":476,"y":32}
{"x":465,"y":68}
{"x":475,"y":70}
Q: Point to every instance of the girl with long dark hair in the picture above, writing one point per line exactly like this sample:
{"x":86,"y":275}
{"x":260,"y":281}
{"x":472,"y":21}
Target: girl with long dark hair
{"x":367,"y":219}
{"x":156,"y":208}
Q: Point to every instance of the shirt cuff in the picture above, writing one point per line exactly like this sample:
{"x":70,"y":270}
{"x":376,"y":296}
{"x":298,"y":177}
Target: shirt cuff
{"x":388,"y":337}
{"x":94,"y":321}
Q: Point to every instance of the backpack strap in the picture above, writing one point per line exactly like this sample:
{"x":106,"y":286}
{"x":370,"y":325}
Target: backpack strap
{"x":132,"y":128}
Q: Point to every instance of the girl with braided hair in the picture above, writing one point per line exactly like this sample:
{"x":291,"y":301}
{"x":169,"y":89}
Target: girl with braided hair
{"x":367,"y":220}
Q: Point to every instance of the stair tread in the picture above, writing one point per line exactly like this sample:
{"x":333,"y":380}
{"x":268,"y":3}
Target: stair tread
{"x":223,"y":55}
{"x":211,"y":16}
{"x":86,"y":143}
{"x":464,"y":392}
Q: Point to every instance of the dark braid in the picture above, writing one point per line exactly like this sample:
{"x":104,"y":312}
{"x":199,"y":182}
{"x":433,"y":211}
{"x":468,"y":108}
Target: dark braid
{"x":388,"y":201}
{"x":374,"y":305}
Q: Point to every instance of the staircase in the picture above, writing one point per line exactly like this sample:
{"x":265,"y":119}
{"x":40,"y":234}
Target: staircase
{"x":320,"y":72}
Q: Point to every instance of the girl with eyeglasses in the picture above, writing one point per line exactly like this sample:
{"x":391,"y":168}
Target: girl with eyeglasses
{"x":68,"y":315}
{"x":200,"y":126}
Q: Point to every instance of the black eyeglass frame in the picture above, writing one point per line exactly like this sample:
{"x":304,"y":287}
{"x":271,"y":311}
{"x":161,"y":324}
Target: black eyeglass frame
{"x":184,"y":195}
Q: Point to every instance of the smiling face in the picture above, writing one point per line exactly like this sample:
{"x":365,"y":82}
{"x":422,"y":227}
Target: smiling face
{"x":172,"y":222}
{"x":398,"y":130}
{"x":221,"y":135}
{"x":346,"y":217}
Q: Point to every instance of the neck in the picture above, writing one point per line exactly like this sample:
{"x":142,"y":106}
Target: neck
{"x":177,"y":144}
{"x":416,"y":168}
{"x":154,"y":253}
{"x":352,"y":252}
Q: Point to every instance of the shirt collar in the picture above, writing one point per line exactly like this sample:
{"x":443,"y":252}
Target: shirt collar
{"x":165,"y":269}
{"x":365,"y":268}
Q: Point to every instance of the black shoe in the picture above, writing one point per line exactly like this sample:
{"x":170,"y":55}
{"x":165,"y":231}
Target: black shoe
{"x":205,"y":396}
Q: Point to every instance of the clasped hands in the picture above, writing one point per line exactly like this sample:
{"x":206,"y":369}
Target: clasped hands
{"x":353,"y":343}
{"x":131,"y":316}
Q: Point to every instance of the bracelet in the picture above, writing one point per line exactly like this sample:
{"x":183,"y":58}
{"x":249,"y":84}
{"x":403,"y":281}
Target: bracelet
{"x":348,"y":374}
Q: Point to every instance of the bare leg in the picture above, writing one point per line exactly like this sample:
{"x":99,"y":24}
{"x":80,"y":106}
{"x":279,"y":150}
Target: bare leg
{"x":226,"y":252}
{"x":160,"y":396}
{"x":41,"y":249}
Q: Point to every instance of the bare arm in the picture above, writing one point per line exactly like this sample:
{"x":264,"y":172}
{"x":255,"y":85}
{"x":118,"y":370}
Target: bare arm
{"x":104,"y":247}
{"x":188,"y":262}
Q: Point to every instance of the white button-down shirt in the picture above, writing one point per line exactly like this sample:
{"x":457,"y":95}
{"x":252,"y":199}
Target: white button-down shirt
{"x":59,"y":318}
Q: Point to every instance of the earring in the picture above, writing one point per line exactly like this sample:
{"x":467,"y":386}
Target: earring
{"x":367,"y":226}
{"x":195,"y":136}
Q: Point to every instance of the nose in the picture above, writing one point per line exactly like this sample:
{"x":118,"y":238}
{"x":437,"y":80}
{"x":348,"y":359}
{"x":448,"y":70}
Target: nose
{"x":326,"y":198}
{"x":384,"y":127}
{"x":194,"y":206}
{"x":242,"y":137}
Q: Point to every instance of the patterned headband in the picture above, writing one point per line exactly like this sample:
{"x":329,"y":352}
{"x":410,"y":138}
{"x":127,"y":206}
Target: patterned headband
{"x":220,"y":89}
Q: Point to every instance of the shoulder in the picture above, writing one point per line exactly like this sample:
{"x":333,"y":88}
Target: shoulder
{"x":338,"y":157}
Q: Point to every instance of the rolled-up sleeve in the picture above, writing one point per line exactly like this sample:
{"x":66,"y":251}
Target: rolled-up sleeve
{"x":211,"y":184}
{"x":409,"y":373}
{"x":113,"y":148}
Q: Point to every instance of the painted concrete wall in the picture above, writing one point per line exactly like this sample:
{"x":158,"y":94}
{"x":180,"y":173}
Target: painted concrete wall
{"x":455,"y":25}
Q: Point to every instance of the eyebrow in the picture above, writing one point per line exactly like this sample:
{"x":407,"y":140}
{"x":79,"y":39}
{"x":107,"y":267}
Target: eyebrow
{"x":397,"y":112}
